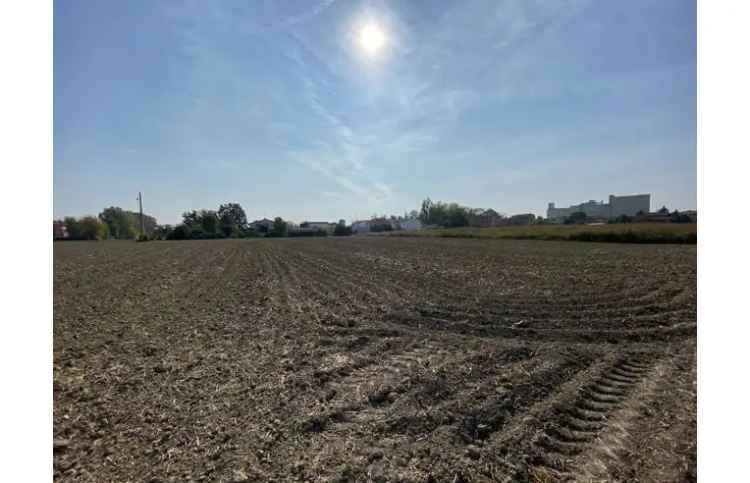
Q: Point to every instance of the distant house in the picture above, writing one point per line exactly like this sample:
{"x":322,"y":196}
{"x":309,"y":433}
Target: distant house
{"x":59,"y":230}
{"x":262,"y":226}
{"x":486,"y":219}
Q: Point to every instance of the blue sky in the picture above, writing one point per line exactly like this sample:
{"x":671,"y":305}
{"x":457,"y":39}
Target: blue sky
{"x":275,"y":105}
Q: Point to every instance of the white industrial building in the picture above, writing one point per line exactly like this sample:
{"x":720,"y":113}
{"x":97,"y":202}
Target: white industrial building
{"x":618,"y":205}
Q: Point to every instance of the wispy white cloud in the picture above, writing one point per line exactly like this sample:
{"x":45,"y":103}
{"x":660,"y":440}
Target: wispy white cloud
{"x":344,"y":120}
{"x":428,"y":95}
{"x":247,"y":18}
{"x":371,"y":192}
{"x":304,"y":16}
{"x":338,"y":153}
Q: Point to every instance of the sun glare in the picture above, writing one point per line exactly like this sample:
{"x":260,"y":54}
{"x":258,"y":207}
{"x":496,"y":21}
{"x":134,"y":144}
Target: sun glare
{"x":371,"y":38}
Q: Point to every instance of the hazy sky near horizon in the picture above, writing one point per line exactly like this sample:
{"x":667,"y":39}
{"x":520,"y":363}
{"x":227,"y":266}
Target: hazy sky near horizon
{"x":276,"y":105}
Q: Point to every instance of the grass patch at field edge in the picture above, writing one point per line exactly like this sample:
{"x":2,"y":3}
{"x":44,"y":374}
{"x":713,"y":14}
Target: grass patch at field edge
{"x":682,"y":233}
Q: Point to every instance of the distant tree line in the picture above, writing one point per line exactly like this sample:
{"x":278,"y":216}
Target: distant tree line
{"x":84,"y":228}
{"x":229,"y":221}
{"x":447,"y":215}
{"x":126,"y":225}
{"x":111,"y":223}
{"x":453,"y":215}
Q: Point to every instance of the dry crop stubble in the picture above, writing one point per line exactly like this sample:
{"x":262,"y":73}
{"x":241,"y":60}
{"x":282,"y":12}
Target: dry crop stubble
{"x":374,"y":359}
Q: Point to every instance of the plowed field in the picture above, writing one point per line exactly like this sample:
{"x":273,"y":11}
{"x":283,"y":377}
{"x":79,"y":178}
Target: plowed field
{"x":374,"y":359}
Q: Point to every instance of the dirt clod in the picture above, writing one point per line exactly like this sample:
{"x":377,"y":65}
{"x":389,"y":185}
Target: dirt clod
{"x":374,"y":359}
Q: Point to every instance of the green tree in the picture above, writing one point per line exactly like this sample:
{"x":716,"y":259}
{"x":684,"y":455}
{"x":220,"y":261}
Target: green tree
{"x":279,"y":228}
{"x":125,"y":224}
{"x":180,"y":232}
{"x":341,"y":229}
{"x":91,"y":228}
{"x":73,"y":228}
{"x":444,"y":214}
{"x":191,"y":219}
{"x":202,"y":224}
{"x":161,"y":232}
{"x":425,"y":212}
{"x":209,"y":221}
{"x":119,"y":222}
{"x":456,"y":216}
{"x":232,"y":219}
{"x":149,"y":222}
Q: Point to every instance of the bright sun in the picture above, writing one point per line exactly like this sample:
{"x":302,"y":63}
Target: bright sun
{"x":371,"y":38}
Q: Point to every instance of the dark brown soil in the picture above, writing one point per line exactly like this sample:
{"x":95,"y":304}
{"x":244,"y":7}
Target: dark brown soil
{"x":374,"y":359}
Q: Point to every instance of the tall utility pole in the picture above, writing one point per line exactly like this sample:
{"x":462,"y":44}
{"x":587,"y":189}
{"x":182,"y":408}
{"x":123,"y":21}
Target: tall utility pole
{"x":140,"y":207}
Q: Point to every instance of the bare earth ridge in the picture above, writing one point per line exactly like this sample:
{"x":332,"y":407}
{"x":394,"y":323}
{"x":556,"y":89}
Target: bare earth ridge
{"x":374,"y":359}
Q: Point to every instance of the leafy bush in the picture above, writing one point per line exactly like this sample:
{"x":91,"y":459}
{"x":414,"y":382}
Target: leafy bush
{"x":621,"y":219}
{"x":180,"y":232}
{"x":677,"y":217}
{"x":161,"y":232}
{"x":200,"y":234}
{"x":577,"y":218}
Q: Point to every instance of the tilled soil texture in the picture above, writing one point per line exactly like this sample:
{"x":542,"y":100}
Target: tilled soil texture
{"x":374,"y":359}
